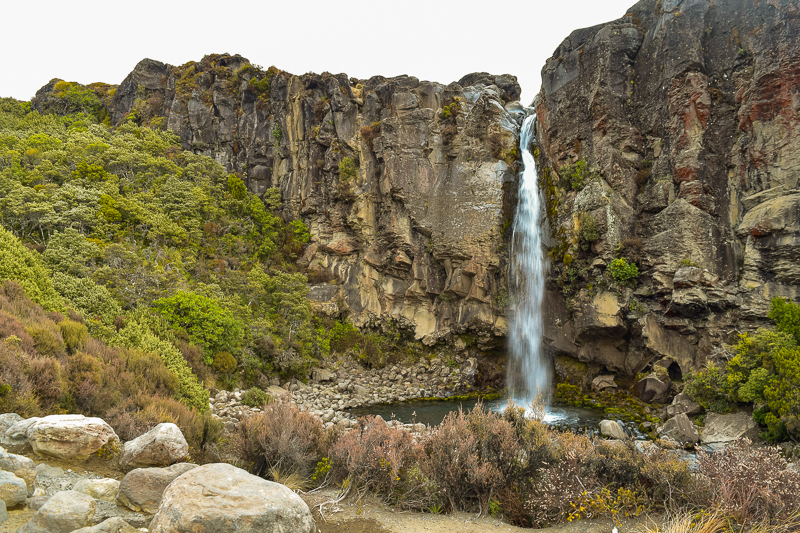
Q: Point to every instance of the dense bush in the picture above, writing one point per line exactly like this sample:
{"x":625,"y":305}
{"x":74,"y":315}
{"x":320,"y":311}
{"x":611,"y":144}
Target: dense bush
{"x":385,"y":460}
{"x":750,"y":484}
{"x":621,"y":271}
{"x":764,"y":371}
{"x":26,"y":267}
{"x":281,"y":439}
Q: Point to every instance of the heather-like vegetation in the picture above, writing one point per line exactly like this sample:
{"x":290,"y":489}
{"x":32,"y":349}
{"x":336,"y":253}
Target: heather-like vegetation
{"x":513,"y":464}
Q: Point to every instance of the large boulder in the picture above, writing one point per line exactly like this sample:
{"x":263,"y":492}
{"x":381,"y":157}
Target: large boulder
{"x":112,"y":525}
{"x":221,"y":497}
{"x":141,"y":489}
{"x":12,"y":489}
{"x":728,"y":428}
{"x":612,"y":429}
{"x":20,"y":466}
{"x":681,"y":429}
{"x":652,"y":389}
{"x":72,"y":437}
{"x":683,"y":404}
{"x":63,"y":513}
{"x":161,"y":446}
{"x":99,"y":489}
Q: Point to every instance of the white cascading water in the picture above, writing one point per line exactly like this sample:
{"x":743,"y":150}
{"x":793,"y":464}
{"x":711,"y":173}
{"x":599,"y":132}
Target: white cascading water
{"x":529,"y":367}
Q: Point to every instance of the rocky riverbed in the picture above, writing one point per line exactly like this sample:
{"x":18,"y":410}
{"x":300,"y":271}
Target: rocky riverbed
{"x":331,"y":392}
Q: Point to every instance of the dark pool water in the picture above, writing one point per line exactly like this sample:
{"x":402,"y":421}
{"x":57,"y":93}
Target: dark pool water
{"x":433,"y":412}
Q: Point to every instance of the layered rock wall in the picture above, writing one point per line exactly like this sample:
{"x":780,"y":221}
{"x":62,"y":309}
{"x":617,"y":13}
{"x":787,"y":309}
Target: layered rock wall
{"x":686,"y":115}
{"x":413,"y":230}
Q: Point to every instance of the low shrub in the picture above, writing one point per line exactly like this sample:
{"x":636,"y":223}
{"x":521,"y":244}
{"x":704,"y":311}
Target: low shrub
{"x":74,"y":334}
{"x":621,"y":271}
{"x":281,"y":438}
{"x":472,"y":455}
{"x":47,"y":343}
{"x":255,"y":397}
{"x":385,"y":460}
{"x":750,"y":484}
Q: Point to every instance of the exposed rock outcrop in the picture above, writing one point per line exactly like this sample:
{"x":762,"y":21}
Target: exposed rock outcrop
{"x":412,"y":230}
{"x":671,"y":134}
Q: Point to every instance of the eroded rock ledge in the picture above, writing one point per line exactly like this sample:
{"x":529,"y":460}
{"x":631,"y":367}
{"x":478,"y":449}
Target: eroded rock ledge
{"x":415,"y":234}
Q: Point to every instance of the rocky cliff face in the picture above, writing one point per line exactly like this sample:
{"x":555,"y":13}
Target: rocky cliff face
{"x":670,"y":137}
{"x":403,"y":183}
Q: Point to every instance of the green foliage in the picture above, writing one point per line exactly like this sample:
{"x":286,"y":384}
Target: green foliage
{"x":587,"y":233}
{"x":786,"y":316}
{"x":575,"y":175}
{"x":255,"y":397}
{"x":348,"y":169}
{"x":94,"y":302}
{"x":26,"y":267}
{"x":276,"y":132}
{"x":74,"y":334}
{"x":764,"y":371}
{"x":71,"y":252}
{"x":137,"y":334}
{"x":343,"y":336}
{"x":300,"y":231}
{"x":686,"y":262}
{"x":208,"y":323}
{"x":224,"y":362}
{"x":621,"y":271}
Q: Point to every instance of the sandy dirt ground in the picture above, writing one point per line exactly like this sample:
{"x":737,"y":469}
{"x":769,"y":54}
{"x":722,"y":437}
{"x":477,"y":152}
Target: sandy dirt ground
{"x":373,"y":517}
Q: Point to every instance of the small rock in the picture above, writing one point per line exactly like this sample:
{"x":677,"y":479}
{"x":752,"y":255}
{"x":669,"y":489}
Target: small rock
{"x":63,"y":513}
{"x":99,"y":489}
{"x":682,"y":403}
{"x":37,"y":502}
{"x":45,"y":470}
{"x":651,"y":389}
{"x":604,"y":382}
{"x":12,"y":489}
{"x":112,"y":525}
{"x":17,"y":434}
{"x":612,"y":429}
{"x":6,"y":421}
{"x":161,"y":446}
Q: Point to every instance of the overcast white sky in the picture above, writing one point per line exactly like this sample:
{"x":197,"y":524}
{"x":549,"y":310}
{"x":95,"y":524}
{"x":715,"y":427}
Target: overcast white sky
{"x":436,"y":40}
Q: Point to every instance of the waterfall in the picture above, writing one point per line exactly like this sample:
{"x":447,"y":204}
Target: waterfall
{"x":529,"y":367}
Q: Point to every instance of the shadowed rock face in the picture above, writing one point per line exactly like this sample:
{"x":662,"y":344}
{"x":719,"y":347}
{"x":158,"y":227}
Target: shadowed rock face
{"x":686,"y":115}
{"x":416,"y":236}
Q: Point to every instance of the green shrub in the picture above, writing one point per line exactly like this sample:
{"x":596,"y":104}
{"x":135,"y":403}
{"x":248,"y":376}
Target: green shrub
{"x":587,"y":233}
{"x":208,"y":324}
{"x":74,"y":334}
{"x":348,"y":169}
{"x":621,"y":271}
{"x":224,"y":362}
{"x":255,"y":397}
{"x":190,"y":391}
{"x":46,"y":342}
